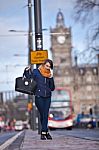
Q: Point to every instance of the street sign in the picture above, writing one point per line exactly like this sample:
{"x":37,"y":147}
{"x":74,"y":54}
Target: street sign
{"x":38,"y":57}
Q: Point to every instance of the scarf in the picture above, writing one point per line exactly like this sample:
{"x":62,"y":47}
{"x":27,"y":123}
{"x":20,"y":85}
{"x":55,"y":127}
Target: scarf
{"x":45,"y":72}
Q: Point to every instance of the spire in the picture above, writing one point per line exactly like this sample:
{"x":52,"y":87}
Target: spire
{"x":59,"y":19}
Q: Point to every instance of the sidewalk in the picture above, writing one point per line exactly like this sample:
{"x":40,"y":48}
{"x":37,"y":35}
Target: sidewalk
{"x":32,"y":142}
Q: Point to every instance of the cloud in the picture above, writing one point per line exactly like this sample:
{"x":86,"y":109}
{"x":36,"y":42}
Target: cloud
{"x":11,"y":5}
{"x":62,"y":4}
{"x":50,"y":10}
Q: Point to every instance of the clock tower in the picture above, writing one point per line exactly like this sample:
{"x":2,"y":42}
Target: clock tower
{"x":61,"y":49}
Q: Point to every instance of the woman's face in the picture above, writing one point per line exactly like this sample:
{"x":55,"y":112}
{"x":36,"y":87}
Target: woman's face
{"x":47,"y":66}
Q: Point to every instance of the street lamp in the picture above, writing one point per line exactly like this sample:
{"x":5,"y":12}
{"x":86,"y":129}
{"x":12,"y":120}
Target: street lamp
{"x":23,"y":31}
{"x":18,"y":31}
{"x":20,"y":55}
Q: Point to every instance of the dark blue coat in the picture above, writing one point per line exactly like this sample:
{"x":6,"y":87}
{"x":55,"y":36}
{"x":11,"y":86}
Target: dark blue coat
{"x":44,"y":85}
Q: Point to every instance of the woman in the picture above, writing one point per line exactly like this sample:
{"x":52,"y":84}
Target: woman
{"x":45,"y":85}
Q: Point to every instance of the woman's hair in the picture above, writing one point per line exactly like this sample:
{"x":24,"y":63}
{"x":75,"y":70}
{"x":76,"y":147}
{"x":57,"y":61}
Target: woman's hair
{"x":50,"y":62}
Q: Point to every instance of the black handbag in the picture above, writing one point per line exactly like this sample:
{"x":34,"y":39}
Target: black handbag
{"x":25,"y":85}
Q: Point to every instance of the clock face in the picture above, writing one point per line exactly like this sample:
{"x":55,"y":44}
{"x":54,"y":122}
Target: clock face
{"x":61,"y":39}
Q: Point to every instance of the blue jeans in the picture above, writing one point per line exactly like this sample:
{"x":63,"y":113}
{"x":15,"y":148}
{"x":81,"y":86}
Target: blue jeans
{"x":43,"y":105}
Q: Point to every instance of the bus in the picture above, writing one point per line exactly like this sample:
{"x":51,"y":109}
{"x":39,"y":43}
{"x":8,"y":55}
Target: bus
{"x":60,"y":113}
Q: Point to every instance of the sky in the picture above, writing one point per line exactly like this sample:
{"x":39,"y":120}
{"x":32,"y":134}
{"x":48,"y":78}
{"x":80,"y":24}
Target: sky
{"x":14,"y":16}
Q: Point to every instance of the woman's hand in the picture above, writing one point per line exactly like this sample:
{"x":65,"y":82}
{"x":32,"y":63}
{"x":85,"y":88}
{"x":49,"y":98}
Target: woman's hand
{"x":28,"y":68}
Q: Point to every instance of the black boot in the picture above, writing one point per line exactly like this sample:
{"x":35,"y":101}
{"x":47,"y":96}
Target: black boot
{"x":43,"y":135}
{"x":48,"y":136}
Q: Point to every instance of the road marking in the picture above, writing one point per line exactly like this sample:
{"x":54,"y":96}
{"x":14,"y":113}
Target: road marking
{"x":9,"y":141}
{"x":92,"y":138}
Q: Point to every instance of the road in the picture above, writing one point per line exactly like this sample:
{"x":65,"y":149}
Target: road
{"x":5,"y":136}
{"x":90,"y":134}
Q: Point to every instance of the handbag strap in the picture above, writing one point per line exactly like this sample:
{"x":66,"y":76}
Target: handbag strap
{"x":23,"y":77}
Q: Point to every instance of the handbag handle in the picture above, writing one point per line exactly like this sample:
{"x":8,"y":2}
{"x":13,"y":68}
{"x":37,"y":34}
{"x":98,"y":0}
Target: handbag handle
{"x":27,"y":69}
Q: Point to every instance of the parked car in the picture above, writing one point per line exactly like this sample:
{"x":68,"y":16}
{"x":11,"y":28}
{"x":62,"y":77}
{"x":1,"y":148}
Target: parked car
{"x":0,"y":128}
{"x":2,"y":124}
{"x":19,"y":125}
{"x":7,"y":128}
{"x":85,"y":120}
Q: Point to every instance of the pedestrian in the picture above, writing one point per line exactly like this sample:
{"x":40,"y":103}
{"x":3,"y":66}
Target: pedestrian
{"x":45,"y":85}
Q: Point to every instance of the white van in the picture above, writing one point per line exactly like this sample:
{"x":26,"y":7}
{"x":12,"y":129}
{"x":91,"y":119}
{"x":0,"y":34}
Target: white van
{"x":19,"y":125}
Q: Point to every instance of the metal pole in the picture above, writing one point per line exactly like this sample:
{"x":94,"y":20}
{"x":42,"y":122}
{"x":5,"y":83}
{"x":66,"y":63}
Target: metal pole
{"x":32,"y":115}
{"x":38,"y":25}
{"x":38,"y":37}
{"x":30,"y":38}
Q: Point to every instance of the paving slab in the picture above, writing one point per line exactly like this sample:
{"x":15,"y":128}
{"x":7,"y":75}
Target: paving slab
{"x":32,"y":141}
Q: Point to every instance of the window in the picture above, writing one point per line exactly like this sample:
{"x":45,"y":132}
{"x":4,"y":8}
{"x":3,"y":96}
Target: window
{"x":95,"y":71}
{"x":63,"y":60}
{"x":83,"y":108}
{"x":82,"y":71}
{"x":88,"y":88}
{"x":89,"y":78}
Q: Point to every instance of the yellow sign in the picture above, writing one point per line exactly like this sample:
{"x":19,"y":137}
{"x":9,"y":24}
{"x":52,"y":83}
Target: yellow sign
{"x":38,"y":57}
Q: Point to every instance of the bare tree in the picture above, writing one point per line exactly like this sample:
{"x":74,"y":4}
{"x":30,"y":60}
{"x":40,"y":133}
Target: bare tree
{"x":87,"y":13}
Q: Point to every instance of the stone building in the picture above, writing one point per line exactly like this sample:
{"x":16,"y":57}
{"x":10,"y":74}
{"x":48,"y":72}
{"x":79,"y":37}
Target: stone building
{"x":82,"y":81}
